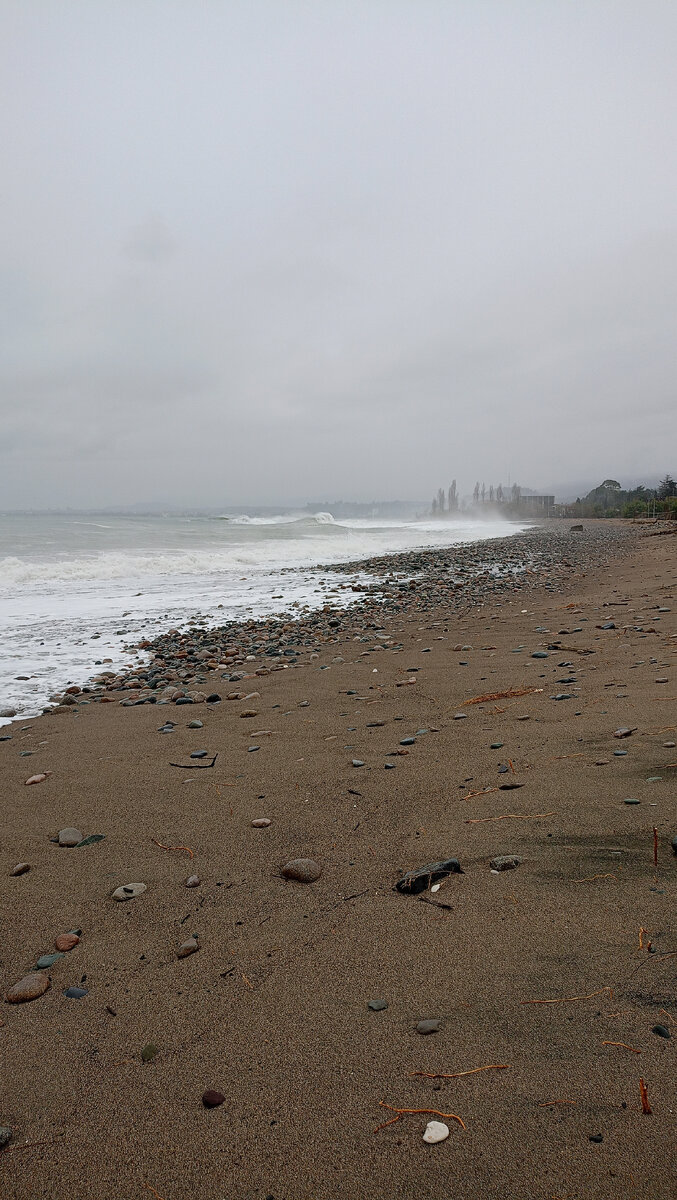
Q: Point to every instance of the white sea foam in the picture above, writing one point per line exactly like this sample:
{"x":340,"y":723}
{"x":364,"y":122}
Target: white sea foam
{"x":65,"y":580}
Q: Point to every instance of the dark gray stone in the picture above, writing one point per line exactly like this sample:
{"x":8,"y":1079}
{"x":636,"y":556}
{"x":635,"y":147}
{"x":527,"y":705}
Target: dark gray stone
{"x":423,"y":877}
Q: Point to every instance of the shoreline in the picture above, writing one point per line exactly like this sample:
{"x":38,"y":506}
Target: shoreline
{"x":273,"y":1009}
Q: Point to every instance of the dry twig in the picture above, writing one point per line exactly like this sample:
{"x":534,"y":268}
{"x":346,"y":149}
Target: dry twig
{"x":624,"y":1045}
{"x":482,"y":792}
{"x":172,"y":848}
{"x":646,"y":1107}
{"x":589,"y":878}
{"x":402,"y":1111}
{"x":507,"y":816}
{"x":458,"y":1074}
{"x":506,"y":695}
{"x":566,"y":999}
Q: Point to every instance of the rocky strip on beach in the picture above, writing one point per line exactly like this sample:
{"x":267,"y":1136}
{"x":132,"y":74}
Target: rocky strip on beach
{"x":458,"y":578}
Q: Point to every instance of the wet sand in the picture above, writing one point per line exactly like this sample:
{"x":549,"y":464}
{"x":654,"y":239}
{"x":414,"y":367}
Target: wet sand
{"x":272,"y":1010}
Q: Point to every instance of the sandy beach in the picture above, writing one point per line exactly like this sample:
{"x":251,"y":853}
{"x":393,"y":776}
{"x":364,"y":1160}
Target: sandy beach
{"x":553,"y":975}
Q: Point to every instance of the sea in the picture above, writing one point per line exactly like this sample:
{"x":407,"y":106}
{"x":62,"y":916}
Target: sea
{"x":76,"y":589}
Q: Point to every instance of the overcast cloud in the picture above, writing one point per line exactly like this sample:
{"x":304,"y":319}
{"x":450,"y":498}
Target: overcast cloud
{"x":270,"y":252}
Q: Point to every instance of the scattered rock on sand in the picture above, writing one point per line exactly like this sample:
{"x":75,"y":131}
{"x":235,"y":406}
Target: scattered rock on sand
{"x":20,"y":869}
{"x":505,"y":862}
{"x":128,"y":891}
{"x":431,"y":1025}
{"x":423,"y":877}
{"x":624,"y":731}
{"x":28,"y":988}
{"x":5,"y":1136}
{"x":357,"y":762}
{"x":76,"y":993}
{"x":193,"y":881}
{"x":69,"y":837}
{"x":305,"y":870}
{"x":435,"y":1131}
{"x":48,"y":960}
{"x":149,"y":1051}
{"x":194,"y":725}
{"x":661,"y":1031}
{"x":66,"y":941}
{"x":37,"y":778}
{"x":261,"y":823}
{"x":212,"y":1099}
{"x":188,"y":947}
{"x":377,"y":1005}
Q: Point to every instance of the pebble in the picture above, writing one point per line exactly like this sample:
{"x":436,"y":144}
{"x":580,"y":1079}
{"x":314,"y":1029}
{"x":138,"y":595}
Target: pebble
{"x":357,"y":762}
{"x":193,"y":881}
{"x":188,"y":947}
{"x":20,"y":869}
{"x":377,"y":1005}
{"x":661,"y":1031}
{"x":435,"y":1131}
{"x":48,"y":960}
{"x":431,"y":1025}
{"x":128,"y":891}
{"x":199,"y":754}
{"x":624,"y":732}
{"x":69,"y":837}
{"x":304,"y":870}
{"x":505,"y":862}
{"x":620,"y":753}
{"x":409,"y":741}
{"x":76,"y":993}
{"x":212,"y":1099}
{"x":194,"y":725}
{"x":149,"y":1051}
{"x":631,"y":800}
{"x":421,"y":878}
{"x":595,"y":1137}
{"x":28,"y":988}
{"x":460,"y":716}
{"x":669,"y":745}
{"x":261,"y":823}
{"x":37,"y":778}
{"x":496,"y":746}
{"x":540,"y":654}
{"x":249,"y":712}
{"x":5,"y":1136}
{"x":66,"y":941}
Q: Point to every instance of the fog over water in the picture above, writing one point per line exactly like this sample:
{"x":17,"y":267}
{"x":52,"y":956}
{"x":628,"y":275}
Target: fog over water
{"x":265,"y":253}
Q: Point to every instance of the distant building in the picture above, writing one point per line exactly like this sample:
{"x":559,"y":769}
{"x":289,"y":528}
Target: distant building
{"x":537,"y":505}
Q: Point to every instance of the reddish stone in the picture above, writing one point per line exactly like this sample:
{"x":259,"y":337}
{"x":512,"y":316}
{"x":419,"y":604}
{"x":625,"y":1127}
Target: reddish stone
{"x":66,"y":941}
{"x":212,"y":1099}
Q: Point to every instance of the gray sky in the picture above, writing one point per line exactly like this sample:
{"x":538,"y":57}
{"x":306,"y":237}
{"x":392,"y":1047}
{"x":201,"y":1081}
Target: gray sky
{"x":271,"y":251}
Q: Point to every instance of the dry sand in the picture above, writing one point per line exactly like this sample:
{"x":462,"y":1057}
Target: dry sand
{"x":272,"y":1010}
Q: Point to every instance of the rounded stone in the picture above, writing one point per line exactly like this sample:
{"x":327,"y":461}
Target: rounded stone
{"x":505,"y":862}
{"x":496,"y":746}
{"x":435,"y":1131}
{"x":5,"y":1136}
{"x":69,"y":837}
{"x":428,"y":1026}
{"x":212,"y":1099}
{"x":357,"y":762}
{"x":377,"y":1005}
{"x":631,"y":800}
{"x":128,"y":891}
{"x":47,"y":960}
{"x":187,"y":947}
{"x":28,"y":988}
{"x":20,"y":869}
{"x":194,"y":725}
{"x":661,"y":1031}
{"x":66,"y":941}
{"x":305,"y":870}
{"x":193,"y":881}
{"x":261,"y":823}
{"x":75,"y":993}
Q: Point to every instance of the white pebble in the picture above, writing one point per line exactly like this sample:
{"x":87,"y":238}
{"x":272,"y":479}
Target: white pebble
{"x":435,"y":1131}
{"x":436,"y":887}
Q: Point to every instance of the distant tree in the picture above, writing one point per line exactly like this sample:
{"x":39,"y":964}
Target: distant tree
{"x":434,"y":509}
{"x":491,"y":493}
{"x":666,"y":488}
{"x":476,"y":493}
{"x":499,"y":493}
{"x":483,"y":492}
